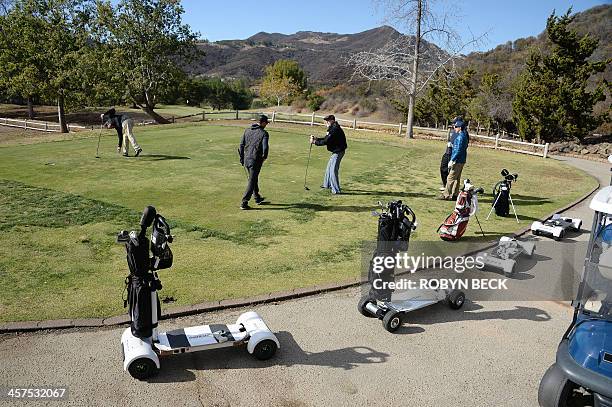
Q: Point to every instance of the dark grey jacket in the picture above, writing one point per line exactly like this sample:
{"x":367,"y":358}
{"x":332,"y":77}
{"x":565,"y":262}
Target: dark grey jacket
{"x":253,"y":146}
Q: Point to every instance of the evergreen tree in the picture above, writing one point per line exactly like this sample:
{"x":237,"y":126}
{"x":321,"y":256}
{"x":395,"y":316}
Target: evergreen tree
{"x":552,"y":99}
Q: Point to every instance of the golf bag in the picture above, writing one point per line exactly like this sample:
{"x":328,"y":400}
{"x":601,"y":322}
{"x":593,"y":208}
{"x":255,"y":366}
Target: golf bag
{"x":501,"y":202}
{"x":456,"y":223}
{"x":394,"y":228}
{"x":142,"y":281}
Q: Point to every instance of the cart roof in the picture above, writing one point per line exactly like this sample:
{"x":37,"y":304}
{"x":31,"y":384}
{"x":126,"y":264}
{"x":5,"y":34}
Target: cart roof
{"x":602,"y":201}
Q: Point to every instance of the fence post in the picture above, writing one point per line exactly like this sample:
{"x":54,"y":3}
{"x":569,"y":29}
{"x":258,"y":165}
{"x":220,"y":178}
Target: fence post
{"x":172,"y":119}
{"x":203,"y":115}
{"x":273,"y":116}
{"x":496,"y":140}
{"x":546,"y":150}
{"x":236,"y":114}
{"x":312,"y":120}
{"x":25,"y":124}
{"x":401,"y":128}
{"x":354,"y":123}
{"x":46,"y":126}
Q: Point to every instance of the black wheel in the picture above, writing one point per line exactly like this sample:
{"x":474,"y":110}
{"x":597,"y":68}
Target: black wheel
{"x":456,"y":299}
{"x":535,"y":233}
{"x":392,"y":321}
{"x":265,"y":349}
{"x":142,"y":368}
{"x":555,"y":389}
{"x":361,"y":307}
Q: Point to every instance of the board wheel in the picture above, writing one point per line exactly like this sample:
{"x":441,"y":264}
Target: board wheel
{"x":265,"y":349}
{"x":392,"y":321}
{"x":361,"y":307}
{"x":456,"y":299}
{"x":142,"y":368}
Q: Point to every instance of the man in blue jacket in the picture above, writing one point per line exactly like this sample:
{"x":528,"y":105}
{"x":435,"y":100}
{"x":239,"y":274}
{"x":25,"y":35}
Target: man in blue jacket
{"x":253,"y":152}
{"x":457,"y":161}
{"x":335,"y":140}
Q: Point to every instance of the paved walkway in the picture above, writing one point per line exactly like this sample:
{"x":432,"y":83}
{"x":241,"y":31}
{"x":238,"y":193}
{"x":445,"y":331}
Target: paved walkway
{"x":489,"y":353}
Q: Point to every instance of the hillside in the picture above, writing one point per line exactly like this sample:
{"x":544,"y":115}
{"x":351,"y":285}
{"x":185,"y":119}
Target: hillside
{"x":508,"y":59}
{"x":322,"y":55}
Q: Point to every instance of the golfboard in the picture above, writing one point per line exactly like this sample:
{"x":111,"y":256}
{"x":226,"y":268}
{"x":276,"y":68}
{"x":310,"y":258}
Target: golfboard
{"x":396,"y":221}
{"x":392,"y":312}
{"x":505,"y":254}
{"x":556,"y":227}
{"x":142,"y":344}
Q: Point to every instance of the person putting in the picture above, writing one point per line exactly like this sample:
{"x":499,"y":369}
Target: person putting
{"x":124,"y":126}
{"x":457,"y":161}
{"x":253,"y":152}
{"x":335,"y":140}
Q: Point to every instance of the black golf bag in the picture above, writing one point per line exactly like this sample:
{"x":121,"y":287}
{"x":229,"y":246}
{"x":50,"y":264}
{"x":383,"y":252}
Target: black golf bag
{"x":394,"y":228}
{"x":142,"y":281}
{"x":501,"y":200}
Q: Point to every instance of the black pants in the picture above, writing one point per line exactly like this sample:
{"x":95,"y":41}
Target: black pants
{"x":253,"y":183}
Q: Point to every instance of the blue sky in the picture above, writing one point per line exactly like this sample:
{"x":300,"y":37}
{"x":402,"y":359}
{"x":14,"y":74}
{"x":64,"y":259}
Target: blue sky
{"x":503,"y":20}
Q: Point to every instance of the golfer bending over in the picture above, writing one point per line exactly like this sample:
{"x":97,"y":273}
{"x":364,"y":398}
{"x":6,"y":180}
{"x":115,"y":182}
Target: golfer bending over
{"x":253,"y":152}
{"x":123,"y":124}
{"x":457,"y":161}
{"x":335,"y":140}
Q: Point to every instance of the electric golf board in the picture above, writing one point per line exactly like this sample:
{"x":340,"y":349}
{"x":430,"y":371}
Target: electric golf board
{"x":556,"y":227}
{"x":503,"y":257}
{"x":142,"y":345}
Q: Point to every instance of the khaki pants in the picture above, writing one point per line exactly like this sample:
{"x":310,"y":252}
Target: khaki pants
{"x":128,"y":134}
{"x":453,"y":181}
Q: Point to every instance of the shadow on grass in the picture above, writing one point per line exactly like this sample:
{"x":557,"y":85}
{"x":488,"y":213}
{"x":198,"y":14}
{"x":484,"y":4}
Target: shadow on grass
{"x":387,"y":193}
{"x":177,"y":368}
{"x":162,"y":157}
{"x":316,"y":207}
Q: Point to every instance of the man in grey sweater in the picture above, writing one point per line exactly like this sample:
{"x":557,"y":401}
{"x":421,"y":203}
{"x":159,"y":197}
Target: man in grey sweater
{"x":253,"y":152}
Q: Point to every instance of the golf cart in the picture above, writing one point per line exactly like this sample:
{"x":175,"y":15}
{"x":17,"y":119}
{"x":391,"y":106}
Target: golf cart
{"x":583,"y":368}
{"x":556,"y":227}
{"x":142,"y":344}
{"x":395,"y":224}
{"x":504,"y":256}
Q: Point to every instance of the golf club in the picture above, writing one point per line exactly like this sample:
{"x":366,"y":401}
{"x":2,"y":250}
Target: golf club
{"x":307,"y":164}
{"x":99,"y":136}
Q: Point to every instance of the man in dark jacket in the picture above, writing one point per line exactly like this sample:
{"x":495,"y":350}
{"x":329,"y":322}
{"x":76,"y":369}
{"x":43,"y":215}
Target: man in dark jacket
{"x":123,"y":124}
{"x":253,"y":152}
{"x":335,"y":140}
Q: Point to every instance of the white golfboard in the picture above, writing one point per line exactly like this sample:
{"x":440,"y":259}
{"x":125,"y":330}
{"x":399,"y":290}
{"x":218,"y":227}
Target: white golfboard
{"x":203,"y":335}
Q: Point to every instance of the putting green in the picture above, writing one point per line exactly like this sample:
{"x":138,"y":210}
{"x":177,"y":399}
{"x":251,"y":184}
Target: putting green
{"x":61,"y":209}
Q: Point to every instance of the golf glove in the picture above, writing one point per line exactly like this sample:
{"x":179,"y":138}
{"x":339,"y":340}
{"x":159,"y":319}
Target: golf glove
{"x":450,"y":164}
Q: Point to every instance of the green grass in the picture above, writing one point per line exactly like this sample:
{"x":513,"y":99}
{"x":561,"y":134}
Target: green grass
{"x":60,"y":209}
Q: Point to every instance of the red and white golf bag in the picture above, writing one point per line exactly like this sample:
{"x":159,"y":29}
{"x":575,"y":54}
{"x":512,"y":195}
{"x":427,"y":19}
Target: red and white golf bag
{"x":456,"y":223}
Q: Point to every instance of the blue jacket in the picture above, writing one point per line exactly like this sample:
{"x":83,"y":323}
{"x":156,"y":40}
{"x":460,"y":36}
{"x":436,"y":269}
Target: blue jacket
{"x":460,"y":145}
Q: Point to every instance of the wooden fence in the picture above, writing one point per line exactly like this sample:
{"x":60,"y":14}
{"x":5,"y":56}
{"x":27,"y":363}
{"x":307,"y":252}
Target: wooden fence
{"x":498,"y":141}
{"x":27,"y":124}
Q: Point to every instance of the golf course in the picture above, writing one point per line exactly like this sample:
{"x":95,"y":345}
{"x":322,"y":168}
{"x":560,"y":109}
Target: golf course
{"x":61,"y":209}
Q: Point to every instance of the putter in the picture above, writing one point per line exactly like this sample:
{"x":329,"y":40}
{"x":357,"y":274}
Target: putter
{"x":98,"y":148}
{"x":307,"y":164}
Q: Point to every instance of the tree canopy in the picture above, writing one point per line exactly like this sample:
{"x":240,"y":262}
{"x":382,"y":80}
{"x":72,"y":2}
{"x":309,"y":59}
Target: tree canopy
{"x":553,"y":100}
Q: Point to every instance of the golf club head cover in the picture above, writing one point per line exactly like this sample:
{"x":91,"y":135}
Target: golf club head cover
{"x":147,"y":218}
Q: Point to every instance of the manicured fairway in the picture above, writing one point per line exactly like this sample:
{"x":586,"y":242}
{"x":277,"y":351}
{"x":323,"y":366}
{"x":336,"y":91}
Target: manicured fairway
{"x":60,"y":209}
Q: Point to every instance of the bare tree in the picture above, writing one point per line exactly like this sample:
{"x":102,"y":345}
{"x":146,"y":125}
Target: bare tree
{"x":412,"y":61}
